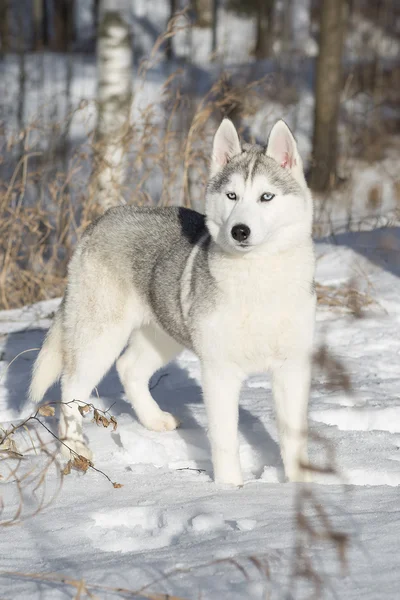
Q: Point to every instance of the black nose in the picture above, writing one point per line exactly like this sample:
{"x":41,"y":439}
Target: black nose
{"x":240,"y":232}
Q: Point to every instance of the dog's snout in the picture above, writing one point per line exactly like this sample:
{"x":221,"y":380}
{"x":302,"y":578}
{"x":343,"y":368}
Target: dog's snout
{"x":240,"y":232}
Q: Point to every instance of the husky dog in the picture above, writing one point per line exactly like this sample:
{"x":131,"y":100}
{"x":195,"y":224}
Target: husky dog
{"x":235,"y":286}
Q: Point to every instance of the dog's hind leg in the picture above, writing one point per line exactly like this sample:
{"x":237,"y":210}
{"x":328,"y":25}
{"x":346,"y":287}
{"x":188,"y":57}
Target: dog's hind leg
{"x":149,"y":349}
{"x":85,"y":365}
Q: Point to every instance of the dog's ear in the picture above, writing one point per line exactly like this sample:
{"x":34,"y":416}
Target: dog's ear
{"x":226,"y":145}
{"x":282,"y":148}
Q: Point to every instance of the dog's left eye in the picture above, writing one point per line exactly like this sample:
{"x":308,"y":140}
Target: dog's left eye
{"x":231,"y":195}
{"x":267,"y":197}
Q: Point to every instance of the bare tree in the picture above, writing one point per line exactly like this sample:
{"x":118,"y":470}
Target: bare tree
{"x":22,"y":77}
{"x":215,"y":7}
{"x":203,"y":12}
{"x":169,"y":51}
{"x":4,"y":26}
{"x":95,"y":13}
{"x":114,"y":97}
{"x":38,"y":9}
{"x":327,"y":95}
{"x":265,"y":24}
{"x":288,"y":29}
{"x":206,"y":15}
{"x":263,"y":11}
{"x":63,"y":24}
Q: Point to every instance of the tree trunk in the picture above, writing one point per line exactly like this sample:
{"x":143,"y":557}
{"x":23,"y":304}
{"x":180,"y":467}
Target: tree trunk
{"x":287,"y":31}
{"x":203,"y":12}
{"x":214,"y":25}
{"x":265,"y":24}
{"x":169,"y":51}
{"x":114,"y":96}
{"x":95,"y":13}
{"x":45,"y":25}
{"x":63,"y":24}
{"x":328,"y":85}
{"x":4,"y":27}
{"x":21,"y":102}
{"x":38,"y":8}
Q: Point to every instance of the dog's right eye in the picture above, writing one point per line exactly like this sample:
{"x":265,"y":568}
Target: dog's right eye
{"x":231,"y":195}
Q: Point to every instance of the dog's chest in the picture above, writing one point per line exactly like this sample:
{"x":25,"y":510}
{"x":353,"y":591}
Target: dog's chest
{"x":262,"y":313}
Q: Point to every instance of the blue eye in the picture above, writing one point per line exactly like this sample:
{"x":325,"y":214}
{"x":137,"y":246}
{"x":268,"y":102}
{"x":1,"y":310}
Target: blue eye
{"x":267,"y":197}
{"x":231,"y":195}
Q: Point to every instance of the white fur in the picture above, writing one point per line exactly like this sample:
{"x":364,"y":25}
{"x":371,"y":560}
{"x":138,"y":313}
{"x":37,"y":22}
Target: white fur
{"x":276,"y":322}
{"x":274,"y":307}
{"x":263,"y":319}
{"x":282,"y":147}
{"x":48,"y":366}
{"x":279,"y":224}
{"x":226,"y":145}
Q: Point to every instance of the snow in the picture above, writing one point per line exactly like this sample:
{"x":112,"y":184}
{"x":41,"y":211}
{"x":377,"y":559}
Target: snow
{"x":170,"y":527}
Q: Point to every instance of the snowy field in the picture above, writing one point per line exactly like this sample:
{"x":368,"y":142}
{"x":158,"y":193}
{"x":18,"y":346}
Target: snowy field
{"x":170,"y":529}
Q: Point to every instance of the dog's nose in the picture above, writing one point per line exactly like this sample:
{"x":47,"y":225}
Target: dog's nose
{"x":240,"y":232}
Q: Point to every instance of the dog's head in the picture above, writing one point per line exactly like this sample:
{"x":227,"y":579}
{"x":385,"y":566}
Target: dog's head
{"x":257,"y":198}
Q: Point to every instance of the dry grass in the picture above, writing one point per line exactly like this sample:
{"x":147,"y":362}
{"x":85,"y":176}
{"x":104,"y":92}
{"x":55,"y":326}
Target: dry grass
{"x":84,"y":589}
{"x":46,"y":202}
{"x":346,"y":298}
{"x":19,"y":443}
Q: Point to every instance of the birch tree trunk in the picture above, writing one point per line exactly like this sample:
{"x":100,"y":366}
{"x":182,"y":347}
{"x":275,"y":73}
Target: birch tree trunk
{"x":327,"y":95}
{"x":114,"y":97}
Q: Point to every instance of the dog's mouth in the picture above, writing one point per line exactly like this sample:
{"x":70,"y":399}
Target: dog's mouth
{"x":243,"y":246}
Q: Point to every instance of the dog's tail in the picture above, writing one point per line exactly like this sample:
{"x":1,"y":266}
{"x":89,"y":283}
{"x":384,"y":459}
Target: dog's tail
{"x":48,"y":365}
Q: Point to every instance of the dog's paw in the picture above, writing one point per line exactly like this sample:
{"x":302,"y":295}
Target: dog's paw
{"x":163,"y":421}
{"x":229,"y":476}
{"x":75,"y":446}
{"x":232,"y":481}
{"x":226,"y":466}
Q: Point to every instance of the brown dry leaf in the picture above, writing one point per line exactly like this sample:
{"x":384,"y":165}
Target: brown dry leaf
{"x":113,"y":420}
{"x":104,"y":421}
{"x":84,"y":409}
{"x":9,"y":445}
{"x":47,"y":411}
{"x":81,"y":463}
{"x":67,"y":468}
{"x":100,"y":419}
{"x":117,"y":485}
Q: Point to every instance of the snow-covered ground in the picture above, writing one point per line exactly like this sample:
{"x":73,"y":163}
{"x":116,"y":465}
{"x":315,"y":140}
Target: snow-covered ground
{"x":170,"y":527}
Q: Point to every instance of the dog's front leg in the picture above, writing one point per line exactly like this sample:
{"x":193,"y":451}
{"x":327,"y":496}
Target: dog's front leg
{"x":221,"y":389}
{"x":291,"y":388}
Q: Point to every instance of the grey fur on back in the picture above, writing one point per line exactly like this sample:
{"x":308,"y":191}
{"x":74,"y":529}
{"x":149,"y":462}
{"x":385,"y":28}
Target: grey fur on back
{"x":149,"y":248}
